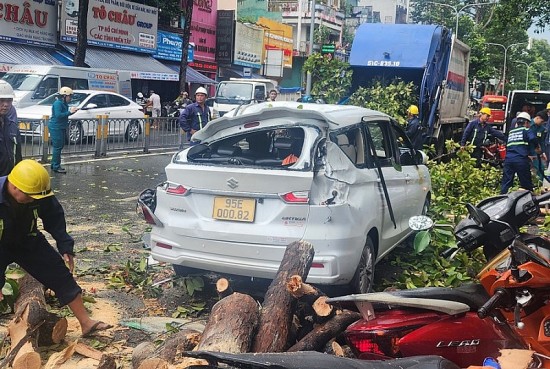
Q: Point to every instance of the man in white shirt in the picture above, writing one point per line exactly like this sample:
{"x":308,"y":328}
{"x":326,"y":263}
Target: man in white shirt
{"x":154,"y":100}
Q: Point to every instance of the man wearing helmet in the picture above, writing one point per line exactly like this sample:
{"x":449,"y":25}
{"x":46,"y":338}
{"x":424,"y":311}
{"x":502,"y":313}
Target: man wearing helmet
{"x":414,"y":128}
{"x":196,"y":115}
{"x":520,"y":141}
{"x":538,"y":127}
{"x":477,"y":131}
{"x":25,"y":196}
{"x":10,"y":149}
{"x":58,"y":124}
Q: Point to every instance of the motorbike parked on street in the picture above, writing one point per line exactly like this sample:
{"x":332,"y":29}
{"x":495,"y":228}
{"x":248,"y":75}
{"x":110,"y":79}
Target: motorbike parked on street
{"x":514,"y":292}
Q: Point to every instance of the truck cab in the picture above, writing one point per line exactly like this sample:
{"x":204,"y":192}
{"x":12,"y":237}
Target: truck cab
{"x":240,"y":91}
{"x":497,"y":104}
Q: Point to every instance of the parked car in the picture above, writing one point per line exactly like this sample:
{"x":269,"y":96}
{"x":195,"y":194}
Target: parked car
{"x":342,"y":177}
{"x":125,"y":116}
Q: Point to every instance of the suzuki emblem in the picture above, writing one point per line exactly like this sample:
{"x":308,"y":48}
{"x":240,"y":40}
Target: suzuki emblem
{"x":232,"y":183}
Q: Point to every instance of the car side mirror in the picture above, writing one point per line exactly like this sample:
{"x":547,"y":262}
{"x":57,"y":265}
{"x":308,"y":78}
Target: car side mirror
{"x":90,"y":106}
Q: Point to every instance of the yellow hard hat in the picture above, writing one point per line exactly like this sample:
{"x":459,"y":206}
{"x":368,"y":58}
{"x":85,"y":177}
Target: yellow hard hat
{"x":31,"y":178}
{"x":548,"y":106}
{"x":485,"y":111}
{"x":413,"y":109}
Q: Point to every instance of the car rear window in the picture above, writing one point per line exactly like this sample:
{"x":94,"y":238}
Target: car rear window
{"x":273,"y":148}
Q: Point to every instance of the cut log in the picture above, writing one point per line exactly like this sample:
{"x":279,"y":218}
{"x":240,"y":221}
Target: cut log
{"x":231,"y":325}
{"x":59,"y":358}
{"x":278,"y":305}
{"x":88,"y":351}
{"x":320,"y":335}
{"x":145,"y":355}
{"x":323,"y":310}
{"x":31,"y":315}
{"x":223,"y":288}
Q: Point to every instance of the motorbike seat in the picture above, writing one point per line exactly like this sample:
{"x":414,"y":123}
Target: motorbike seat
{"x":316,"y":360}
{"x":471,"y":294}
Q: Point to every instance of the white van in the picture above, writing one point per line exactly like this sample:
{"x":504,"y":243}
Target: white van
{"x":32,"y":83}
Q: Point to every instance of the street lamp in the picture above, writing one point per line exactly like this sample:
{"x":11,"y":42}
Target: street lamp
{"x":505,"y":56}
{"x":457,"y":10}
{"x":528,"y":65}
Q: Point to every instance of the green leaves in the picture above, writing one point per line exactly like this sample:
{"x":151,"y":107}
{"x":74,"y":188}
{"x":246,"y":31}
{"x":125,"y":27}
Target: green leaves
{"x":10,"y":290}
{"x":331,"y":78}
{"x":421,"y":241}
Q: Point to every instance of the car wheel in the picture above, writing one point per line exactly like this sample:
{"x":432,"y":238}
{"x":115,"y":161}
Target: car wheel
{"x":363,"y":279}
{"x":75,"y":133}
{"x":183,"y":271}
{"x":132,"y":132}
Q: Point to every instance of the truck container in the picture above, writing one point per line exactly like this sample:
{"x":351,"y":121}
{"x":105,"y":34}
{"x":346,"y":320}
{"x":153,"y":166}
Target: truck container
{"x":431,"y":58}
{"x":32,"y":83}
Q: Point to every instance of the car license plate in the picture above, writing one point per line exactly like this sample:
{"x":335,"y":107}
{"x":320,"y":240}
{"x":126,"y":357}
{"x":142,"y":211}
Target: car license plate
{"x":234,"y":208}
{"x":25,"y":126}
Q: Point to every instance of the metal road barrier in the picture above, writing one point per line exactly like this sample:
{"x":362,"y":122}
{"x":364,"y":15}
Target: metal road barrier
{"x":102,"y":135}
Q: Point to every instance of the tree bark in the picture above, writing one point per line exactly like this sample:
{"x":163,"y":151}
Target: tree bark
{"x":317,"y":339}
{"x":278,"y":306}
{"x":82,"y":39}
{"x":231,"y":325}
{"x":33,"y":323}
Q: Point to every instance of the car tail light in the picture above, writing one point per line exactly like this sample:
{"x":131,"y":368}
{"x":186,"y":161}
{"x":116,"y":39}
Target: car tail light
{"x":148,"y":215}
{"x":298,"y":197}
{"x":176,"y":189}
{"x":163,"y":245}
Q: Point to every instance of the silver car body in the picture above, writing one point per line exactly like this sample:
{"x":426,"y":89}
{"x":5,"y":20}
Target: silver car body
{"x":344,"y":194}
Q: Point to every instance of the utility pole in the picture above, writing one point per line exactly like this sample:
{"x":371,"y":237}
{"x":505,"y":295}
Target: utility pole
{"x":310,"y":51}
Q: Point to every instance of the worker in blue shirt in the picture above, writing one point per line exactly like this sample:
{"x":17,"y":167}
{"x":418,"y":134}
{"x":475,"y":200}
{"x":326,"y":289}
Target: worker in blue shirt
{"x":195,"y":116}
{"x":58,"y":124}
{"x":477,"y":131}
{"x":414,"y":128}
{"x":539,"y":129}
{"x":520,"y":142}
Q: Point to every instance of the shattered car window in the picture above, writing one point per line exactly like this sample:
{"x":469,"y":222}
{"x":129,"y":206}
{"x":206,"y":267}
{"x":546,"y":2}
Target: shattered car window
{"x":272,"y":148}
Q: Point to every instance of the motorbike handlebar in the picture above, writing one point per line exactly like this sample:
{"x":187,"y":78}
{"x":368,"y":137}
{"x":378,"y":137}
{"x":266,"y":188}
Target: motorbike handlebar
{"x":448,"y":252}
{"x":484,"y":311}
{"x":542,"y":198}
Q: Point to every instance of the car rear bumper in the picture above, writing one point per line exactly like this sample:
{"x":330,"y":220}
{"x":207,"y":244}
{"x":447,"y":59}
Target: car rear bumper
{"x":259,"y":261}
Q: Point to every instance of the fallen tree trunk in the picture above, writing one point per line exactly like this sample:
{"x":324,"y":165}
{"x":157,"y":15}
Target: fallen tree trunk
{"x":311,"y":298}
{"x":317,"y":339}
{"x":34,"y":324}
{"x":146,"y":356}
{"x":231,"y":325}
{"x":278,"y":307}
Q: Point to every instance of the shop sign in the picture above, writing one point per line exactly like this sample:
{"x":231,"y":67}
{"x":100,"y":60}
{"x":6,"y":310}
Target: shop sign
{"x":29,"y":22}
{"x":116,"y":24}
{"x":169,"y":46}
{"x":225,"y":36}
{"x":248,"y":45}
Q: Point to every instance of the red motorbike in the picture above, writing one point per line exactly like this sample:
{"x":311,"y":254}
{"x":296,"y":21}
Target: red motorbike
{"x":450,"y":321}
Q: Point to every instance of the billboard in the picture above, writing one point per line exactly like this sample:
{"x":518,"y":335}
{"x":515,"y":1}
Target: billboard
{"x":278,"y":39}
{"x":249,"y":40}
{"x":224,"y":36}
{"x":169,"y":47}
{"x":29,"y":22}
{"x":116,"y":24}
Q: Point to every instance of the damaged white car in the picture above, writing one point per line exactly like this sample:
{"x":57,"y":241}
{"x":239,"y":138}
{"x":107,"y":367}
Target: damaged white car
{"x":343,"y":178}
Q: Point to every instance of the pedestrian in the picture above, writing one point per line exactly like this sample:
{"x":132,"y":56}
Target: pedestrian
{"x":10,"y":137}
{"x":140,"y":100}
{"x":25,"y":196}
{"x":196,"y":115}
{"x":520,"y":141}
{"x":182,"y":100}
{"x":477,"y":131}
{"x":539,"y":129}
{"x":547,"y":140}
{"x":414,"y":128}
{"x":154,"y":101}
{"x":58,"y":124}
{"x":272,"y":95}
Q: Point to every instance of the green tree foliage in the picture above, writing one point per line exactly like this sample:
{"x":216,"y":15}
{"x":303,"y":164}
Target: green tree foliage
{"x":393,"y":98}
{"x":331,"y":78}
{"x":168,"y":10}
{"x":454,"y":184}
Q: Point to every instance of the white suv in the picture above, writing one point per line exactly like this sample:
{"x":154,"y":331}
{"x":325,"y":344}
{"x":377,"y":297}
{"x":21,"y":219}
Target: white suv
{"x":344,"y":178}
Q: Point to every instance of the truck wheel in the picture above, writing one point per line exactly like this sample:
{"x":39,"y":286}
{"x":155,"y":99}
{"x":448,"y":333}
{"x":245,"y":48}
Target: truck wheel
{"x":363,"y":279}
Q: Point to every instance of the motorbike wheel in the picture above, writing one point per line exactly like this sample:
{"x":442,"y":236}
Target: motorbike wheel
{"x":363,"y":279}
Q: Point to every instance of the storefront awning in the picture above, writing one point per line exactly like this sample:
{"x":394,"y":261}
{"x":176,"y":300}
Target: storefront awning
{"x":191,"y":75}
{"x":141,"y":66}
{"x":11,"y":53}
